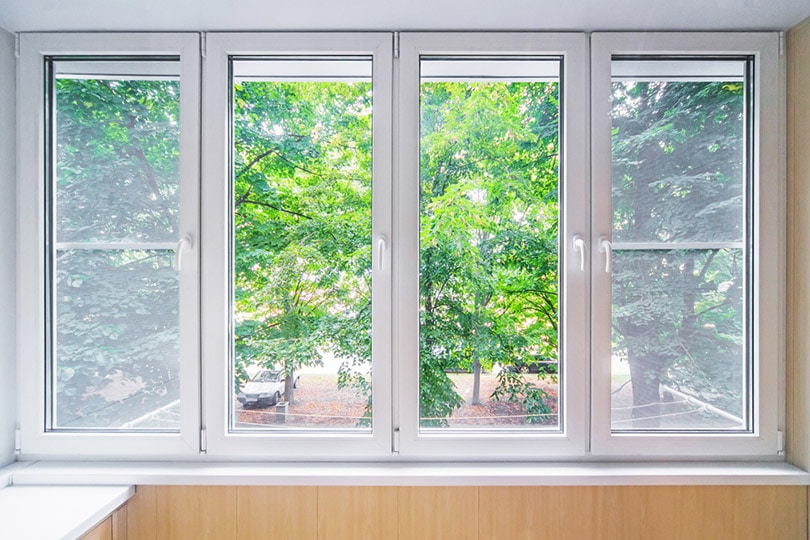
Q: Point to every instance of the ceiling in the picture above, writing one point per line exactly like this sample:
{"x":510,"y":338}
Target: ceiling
{"x":95,"y":15}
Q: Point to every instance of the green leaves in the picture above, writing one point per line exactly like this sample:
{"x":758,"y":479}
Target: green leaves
{"x":488,"y":237}
{"x":678,"y":176}
{"x":302,"y":225}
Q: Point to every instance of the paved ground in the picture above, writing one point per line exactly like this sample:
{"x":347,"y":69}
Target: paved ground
{"x":318,"y":403}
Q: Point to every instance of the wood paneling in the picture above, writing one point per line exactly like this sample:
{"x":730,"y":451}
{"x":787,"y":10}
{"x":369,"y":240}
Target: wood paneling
{"x":770,"y":512}
{"x":518,"y":513}
{"x":488,"y":513}
{"x":196,"y":512}
{"x":142,"y":514}
{"x":280,"y":513}
{"x":351,"y":513}
{"x":440,"y":513}
{"x":798,"y":245}
{"x":103,"y":531}
{"x":119,"y":524}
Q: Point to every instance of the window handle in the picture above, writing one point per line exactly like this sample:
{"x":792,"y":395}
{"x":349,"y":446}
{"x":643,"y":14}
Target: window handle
{"x":182,"y":245}
{"x":381,"y":246}
{"x":580,"y":247}
{"x":607,"y":248}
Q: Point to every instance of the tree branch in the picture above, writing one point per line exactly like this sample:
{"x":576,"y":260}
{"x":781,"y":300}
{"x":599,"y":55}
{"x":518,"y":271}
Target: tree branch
{"x":278,"y":208}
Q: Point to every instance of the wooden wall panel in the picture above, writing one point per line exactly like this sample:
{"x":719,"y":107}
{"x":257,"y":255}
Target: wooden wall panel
{"x":519,"y":513}
{"x":142,"y":514}
{"x":352,"y":513}
{"x":798,"y":245}
{"x":196,"y":512}
{"x":770,"y":512}
{"x":102,"y":531}
{"x":119,"y":524}
{"x":277,"y":512}
{"x":440,"y":513}
{"x":468,"y":513}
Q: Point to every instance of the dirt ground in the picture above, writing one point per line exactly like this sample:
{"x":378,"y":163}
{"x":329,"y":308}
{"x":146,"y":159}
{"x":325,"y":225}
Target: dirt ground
{"x":318,"y":403}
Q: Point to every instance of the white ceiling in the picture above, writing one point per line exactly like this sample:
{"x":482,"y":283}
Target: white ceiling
{"x":51,"y":15}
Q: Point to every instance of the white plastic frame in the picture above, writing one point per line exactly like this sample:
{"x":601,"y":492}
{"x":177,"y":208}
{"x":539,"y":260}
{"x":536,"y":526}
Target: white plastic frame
{"x":572,"y":441}
{"x":216,"y":257}
{"x":31,"y":314}
{"x":768,"y":229}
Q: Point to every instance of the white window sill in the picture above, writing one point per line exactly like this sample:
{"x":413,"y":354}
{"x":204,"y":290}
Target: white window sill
{"x":57,"y":512}
{"x":408,"y":474}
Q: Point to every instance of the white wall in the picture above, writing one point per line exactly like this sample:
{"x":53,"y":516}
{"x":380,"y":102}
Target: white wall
{"x":8,"y":378}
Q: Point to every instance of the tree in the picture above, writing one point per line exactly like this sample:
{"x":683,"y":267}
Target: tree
{"x":489,"y":225}
{"x":116,"y":180}
{"x":678,"y":171}
{"x":302,"y":226}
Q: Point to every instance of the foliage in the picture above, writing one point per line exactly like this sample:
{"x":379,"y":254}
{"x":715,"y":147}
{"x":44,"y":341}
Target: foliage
{"x":489,"y":226}
{"x":116,"y":180}
{"x":677,"y":177}
{"x":302,"y":226}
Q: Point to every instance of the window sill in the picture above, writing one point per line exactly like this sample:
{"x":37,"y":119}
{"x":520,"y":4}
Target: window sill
{"x":409,"y":474}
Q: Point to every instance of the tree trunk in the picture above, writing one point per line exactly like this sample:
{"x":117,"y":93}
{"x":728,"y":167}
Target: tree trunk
{"x":289,"y":384}
{"x":476,"y":396}
{"x":646,"y":381}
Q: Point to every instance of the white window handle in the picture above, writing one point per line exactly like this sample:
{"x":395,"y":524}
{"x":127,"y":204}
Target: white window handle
{"x":182,"y":245}
{"x":381,"y":245}
{"x":607,"y":248}
{"x":580,"y":247}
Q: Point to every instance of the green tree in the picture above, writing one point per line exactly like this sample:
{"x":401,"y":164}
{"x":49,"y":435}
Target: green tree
{"x":678,"y":167}
{"x":302,"y":226}
{"x":489,"y":225}
{"x":116,"y":180}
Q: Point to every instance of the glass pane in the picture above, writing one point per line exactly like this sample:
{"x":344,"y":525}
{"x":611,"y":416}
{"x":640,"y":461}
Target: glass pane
{"x":678,"y":151}
{"x":302,"y":243}
{"x":681,"y":266}
{"x":489,"y":227}
{"x":114,"y":211}
{"x":117,"y":339}
{"x":117,"y":151}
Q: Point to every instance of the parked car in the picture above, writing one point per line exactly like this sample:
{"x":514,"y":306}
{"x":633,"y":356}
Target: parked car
{"x":264,"y":389}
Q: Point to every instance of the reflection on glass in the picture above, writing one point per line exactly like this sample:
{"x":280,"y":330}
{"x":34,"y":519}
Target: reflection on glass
{"x":489,"y":225}
{"x":115,"y":211}
{"x":680,"y":263}
{"x":302,"y":243}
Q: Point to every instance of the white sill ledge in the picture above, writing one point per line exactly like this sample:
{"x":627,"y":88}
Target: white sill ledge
{"x":57,"y":512}
{"x":408,"y":474}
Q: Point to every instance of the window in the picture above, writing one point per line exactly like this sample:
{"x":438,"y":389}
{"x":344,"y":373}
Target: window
{"x":114,"y":205}
{"x":116,"y":130}
{"x":684,"y":346}
{"x":300,"y":204}
{"x":369,"y":246}
{"x":488,"y":292}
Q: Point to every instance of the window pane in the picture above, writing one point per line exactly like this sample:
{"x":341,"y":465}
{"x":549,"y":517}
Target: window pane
{"x":489,"y":226}
{"x":678,"y":152}
{"x":114,"y":216}
{"x":117,"y":154}
{"x":681,"y":263}
{"x":302,"y":243}
{"x":117,"y":337}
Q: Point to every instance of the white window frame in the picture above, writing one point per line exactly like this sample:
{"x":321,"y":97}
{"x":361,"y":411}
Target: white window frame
{"x":585,"y":296}
{"x":572,"y":440}
{"x":35,"y":439}
{"x":216,"y":259}
{"x":768,"y":228}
